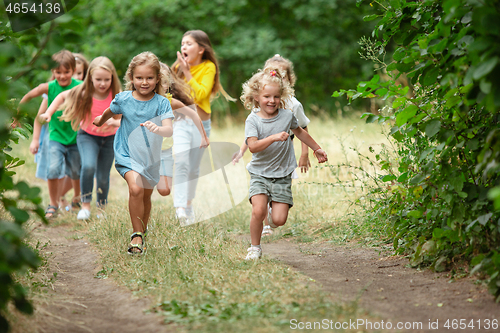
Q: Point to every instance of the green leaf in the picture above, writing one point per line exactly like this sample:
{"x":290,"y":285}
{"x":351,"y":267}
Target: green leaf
{"x":452,"y":101}
{"x":415,"y":213}
{"x":417,"y":179}
{"x":429,"y":76}
{"x":388,"y":178}
{"x":485,"y":68}
{"x":483,"y":219}
{"x":432,"y":127}
{"x":403,"y":116}
{"x":457,"y":183}
{"x":398,"y":102}
{"x":371,"y":118}
{"x":368,"y":18}
{"x":19,"y":214}
{"x":403,"y":177}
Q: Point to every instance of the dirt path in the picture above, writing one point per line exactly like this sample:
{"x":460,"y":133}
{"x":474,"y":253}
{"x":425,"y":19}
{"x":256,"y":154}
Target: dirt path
{"x":388,"y":288}
{"x":82,"y":303}
{"x":384,"y":285}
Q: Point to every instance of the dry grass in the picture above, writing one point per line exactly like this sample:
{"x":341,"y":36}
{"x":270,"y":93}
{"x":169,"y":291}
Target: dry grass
{"x":197,"y":276}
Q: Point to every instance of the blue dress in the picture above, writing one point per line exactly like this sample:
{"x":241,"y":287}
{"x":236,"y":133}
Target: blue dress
{"x":135,"y":147}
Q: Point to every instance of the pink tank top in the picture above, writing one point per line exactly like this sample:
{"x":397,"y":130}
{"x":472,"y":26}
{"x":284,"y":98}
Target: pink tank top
{"x":98,"y":107}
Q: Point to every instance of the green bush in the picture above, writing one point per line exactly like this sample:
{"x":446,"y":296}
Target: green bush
{"x":442,"y":197}
{"x":24,"y":63}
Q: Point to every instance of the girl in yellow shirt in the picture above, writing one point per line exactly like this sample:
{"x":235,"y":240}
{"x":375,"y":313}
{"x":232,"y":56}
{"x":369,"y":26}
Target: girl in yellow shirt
{"x":197,"y":65}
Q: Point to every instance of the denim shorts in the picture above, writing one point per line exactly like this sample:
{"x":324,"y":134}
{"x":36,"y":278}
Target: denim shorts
{"x":63,"y":157}
{"x":276,"y":189}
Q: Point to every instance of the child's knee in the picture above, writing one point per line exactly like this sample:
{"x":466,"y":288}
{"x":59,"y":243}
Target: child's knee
{"x":136,"y":191}
{"x":259,"y":212}
{"x":164,"y":191}
{"x":279,"y":221}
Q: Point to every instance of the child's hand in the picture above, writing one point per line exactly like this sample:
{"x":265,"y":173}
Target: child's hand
{"x":183,"y":64}
{"x":321,"y":155}
{"x":44,"y":118}
{"x":205,"y":142}
{"x":283,"y":136}
{"x":237,"y":156}
{"x":304,"y":163}
{"x":97,"y":121}
{"x":34,"y":145}
{"x":150,"y":126}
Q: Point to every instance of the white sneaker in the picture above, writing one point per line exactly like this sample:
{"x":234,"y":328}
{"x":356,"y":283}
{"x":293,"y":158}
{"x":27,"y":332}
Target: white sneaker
{"x":267,"y":230}
{"x":254,"y":253}
{"x":270,"y":219}
{"x":191,"y":216}
{"x":83,"y":214}
{"x":180,"y":213}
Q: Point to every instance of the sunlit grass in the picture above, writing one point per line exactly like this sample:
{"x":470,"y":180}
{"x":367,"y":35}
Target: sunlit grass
{"x":196,"y":276}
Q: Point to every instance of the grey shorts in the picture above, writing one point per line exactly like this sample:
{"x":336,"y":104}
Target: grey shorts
{"x":276,"y":189}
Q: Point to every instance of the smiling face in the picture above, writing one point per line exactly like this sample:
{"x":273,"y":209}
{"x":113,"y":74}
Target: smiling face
{"x":101,"y":79}
{"x":145,"y":80}
{"x":78,"y":72}
{"x":63,"y":75}
{"x":269,"y":99}
{"x":191,"y":50}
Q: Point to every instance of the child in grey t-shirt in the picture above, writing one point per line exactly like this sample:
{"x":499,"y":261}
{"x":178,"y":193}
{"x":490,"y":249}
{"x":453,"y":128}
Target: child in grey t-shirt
{"x":273,"y":158}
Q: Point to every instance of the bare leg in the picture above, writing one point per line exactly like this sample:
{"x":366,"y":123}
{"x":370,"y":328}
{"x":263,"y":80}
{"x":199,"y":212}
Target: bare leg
{"x":76,"y":190}
{"x":139,"y":204}
{"x":66,"y":185}
{"x":280,"y":213}
{"x":164,"y":185}
{"x":54,"y":186}
{"x":259,"y":210}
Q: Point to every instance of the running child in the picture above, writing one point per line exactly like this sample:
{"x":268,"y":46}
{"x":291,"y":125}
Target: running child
{"x":198,"y":66}
{"x":273,"y":157}
{"x":179,"y":95}
{"x":95,"y":144}
{"x":297,"y":109}
{"x":40,"y":132}
{"x":82,"y":65}
{"x":142,"y":106}
{"x":62,"y":153}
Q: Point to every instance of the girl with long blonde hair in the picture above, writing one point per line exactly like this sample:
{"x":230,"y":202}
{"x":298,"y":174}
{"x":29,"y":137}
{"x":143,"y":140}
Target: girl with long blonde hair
{"x":81,"y":105}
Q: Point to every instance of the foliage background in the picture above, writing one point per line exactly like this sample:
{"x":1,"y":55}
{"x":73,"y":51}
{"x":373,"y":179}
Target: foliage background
{"x":319,"y":36}
{"x":440,"y":198}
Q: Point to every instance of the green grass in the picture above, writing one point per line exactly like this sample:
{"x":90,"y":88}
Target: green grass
{"x":196,"y":276}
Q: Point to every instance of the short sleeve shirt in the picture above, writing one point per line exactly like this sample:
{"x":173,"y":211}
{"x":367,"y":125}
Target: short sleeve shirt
{"x":59,"y":130}
{"x":136,"y":147}
{"x":277,"y":160}
{"x":297,"y":109}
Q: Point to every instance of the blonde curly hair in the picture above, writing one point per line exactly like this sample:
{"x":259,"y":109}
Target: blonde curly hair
{"x":253,"y":87}
{"x":146,"y":59}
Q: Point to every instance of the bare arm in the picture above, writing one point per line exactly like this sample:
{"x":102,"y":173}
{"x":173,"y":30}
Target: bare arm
{"x":304,"y":163}
{"x":56,"y":103}
{"x":304,"y":136}
{"x":37,"y":127}
{"x":100,"y":120}
{"x":256,"y":145}
{"x":165,"y":130}
{"x":35,"y":92}
{"x":239,"y":154}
